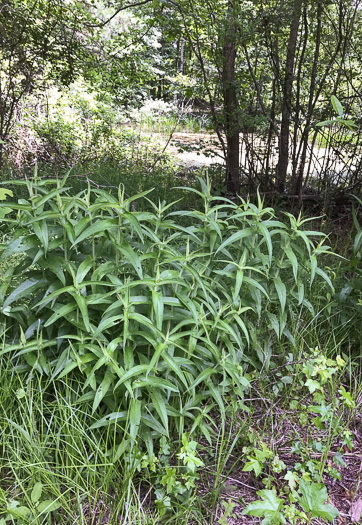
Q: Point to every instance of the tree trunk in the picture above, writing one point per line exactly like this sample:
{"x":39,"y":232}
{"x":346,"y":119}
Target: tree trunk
{"x":298,"y":178}
{"x":287,"y":97}
{"x":231,"y":103}
{"x":182,"y":56}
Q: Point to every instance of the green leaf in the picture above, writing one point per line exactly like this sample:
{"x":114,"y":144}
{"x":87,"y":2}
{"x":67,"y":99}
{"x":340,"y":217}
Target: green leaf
{"x":82,"y":305}
{"x":292,"y":478}
{"x":160,"y":406}
{"x":325,"y":277}
{"x":347,"y":398}
{"x":357,"y":242}
{"x":24,"y":289}
{"x":5,"y":211}
{"x":254,"y":465}
{"x":41,"y":231}
{"x":312,"y":385}
{"x":238,"y":283}
{"x":96,"y":228}
{"x":136,"y":370}
{"x":60,"y":312}
{"x":20,"y":393}
{"x":155,"y":381}
{"x":152,"y":423}
{"x":102,"y":390}
{"x":136,"y":225}
{"x":5,"y":193}
{"x":313,"y":500}
{"x":325,"y":123}
{"x":349,"y":123}
{"x":235,"y":237}
{"x":202,"y":377}
{"x":19,"y":512}
{"x":55,"y":294}
{"x":109,"y":419}
{"x":160,"y":348}
{"x":242,"y":324}
{"x":138,"y":196}
{"x":134,"y":417}
{"x":254,"y":284}
{"x":281,"y":291}
{"x":313,"y":267}
{"x":157,"y":301}
{"x":270,"y":506}
{"x":172,"y":363}
{"x":55,"y":263}
{"x":131,"y":257}
{"x":265,"y":233}
{"x":36,"y":492}
{"x":293,"y":260}
{"x":24,"y":432}
{"x":217,"y":396}
{"x":83,"y":269}
{"x":48,"y":505}
{"x":337,"y":106}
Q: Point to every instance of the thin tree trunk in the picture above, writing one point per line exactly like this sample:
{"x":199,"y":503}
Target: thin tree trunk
{"x":297,"y":183}
{"x":182,"y":56}
{"x":297,"y":103}
{"x":287,"y":98}
{"x":231,"y":104}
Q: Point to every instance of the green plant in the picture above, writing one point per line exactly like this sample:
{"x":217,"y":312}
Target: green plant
{"x":257,"y":459}
{"x":157,"y":317}
{"x":45,"y":436}
{"x":310,"y":496}
{"x":350,"y":295}
{"x":4,"y":193}
{"x":175,"y":484}
{"x":29,"y":512}
{"x":228,"y":512}
{"x":165,"y":117}
{"x":338,"y":108}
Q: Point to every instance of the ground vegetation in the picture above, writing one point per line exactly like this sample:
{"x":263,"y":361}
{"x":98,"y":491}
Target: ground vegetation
{"x":180,"y":341}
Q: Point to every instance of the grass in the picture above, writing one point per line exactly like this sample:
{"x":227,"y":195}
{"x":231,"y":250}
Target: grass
{"x":167,"y":124}
{"x":47,"y":439}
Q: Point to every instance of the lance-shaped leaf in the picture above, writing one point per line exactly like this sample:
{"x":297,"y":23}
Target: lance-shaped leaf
{"x":160,"y":406}
{"x":96,"y":228}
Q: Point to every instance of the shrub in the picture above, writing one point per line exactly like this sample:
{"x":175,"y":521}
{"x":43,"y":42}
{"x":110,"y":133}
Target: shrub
{"x":160,"y":314}
{"x":350,"y":296}
{"x":76,"y":127}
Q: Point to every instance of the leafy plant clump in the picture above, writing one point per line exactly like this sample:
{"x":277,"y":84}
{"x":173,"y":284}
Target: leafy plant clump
{"x":160,"y":315}
{"x":37,"y":506}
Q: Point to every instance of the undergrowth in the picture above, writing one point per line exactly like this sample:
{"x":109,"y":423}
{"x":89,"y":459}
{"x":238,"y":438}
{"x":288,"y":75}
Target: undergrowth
{"x":140,"y":347}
